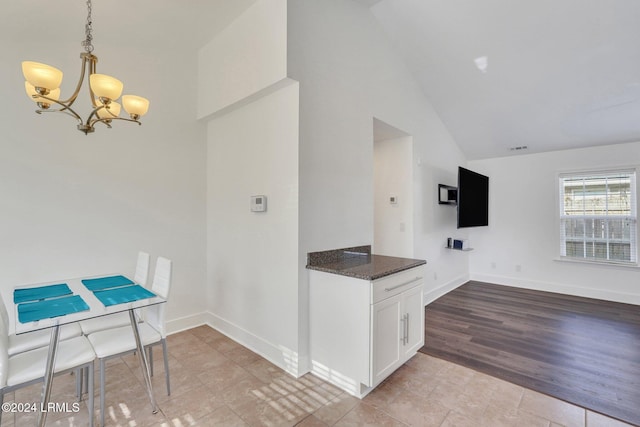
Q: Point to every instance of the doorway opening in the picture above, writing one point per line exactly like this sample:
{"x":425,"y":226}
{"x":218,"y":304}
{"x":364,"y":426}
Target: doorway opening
{"x":393,"y":190}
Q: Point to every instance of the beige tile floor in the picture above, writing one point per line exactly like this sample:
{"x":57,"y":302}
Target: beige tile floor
{"x":217,"y":382}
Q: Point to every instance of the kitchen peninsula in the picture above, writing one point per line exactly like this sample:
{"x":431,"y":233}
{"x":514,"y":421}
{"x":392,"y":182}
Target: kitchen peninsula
{"x":366,"y":315}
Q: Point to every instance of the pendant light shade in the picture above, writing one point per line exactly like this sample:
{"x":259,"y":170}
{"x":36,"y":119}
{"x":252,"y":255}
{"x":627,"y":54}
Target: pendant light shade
{"x":41,"y":75}
{"x":106,"y":87}
{"x":31,"y":90}
{"x":135,"y":105}
{"x":109,"y":113}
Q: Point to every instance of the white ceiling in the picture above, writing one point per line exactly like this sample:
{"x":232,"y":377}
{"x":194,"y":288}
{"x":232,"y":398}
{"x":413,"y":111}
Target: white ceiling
{"x":141,"y":23}
{"x":561,"y":73}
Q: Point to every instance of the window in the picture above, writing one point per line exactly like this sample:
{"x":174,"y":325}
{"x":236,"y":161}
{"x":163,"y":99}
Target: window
{"x":598,"y":216}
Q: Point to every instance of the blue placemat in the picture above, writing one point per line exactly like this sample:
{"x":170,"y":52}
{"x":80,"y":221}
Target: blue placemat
{"x":123,"y":294}
{"x":106,"y":282}
{"x":41,"y":292}
{"x":32,"y":311}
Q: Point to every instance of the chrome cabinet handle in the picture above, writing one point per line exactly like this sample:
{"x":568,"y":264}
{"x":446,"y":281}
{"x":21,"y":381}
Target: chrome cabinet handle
{"x":406,"y":325}
{"x":405,"y":329}
{"x":402,"y":284}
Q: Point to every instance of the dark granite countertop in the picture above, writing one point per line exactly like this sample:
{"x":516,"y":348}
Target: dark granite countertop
{"x":359,"y":262}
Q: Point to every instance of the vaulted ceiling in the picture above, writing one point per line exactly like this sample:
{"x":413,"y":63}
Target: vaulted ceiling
{"x":504,"y":75}
{"x":544,"y":74}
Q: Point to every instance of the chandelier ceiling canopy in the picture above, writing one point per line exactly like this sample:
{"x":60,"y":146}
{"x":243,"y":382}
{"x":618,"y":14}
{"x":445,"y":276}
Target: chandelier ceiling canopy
{"x":43,"y":87}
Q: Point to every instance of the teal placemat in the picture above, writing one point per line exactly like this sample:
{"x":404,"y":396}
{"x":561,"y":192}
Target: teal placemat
{"x":123,"y":294}
{"x":40,"y":293}
{"x":32,"y":311}
{"x":106,"y":282}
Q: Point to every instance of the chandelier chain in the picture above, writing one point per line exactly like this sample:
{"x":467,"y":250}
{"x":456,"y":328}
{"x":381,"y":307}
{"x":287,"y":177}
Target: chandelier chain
{"x":87,"y":43}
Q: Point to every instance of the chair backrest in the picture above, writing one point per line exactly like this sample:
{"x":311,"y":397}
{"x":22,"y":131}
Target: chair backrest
{"x":4,"y":345}
{"x":161,"y":285}
{"x":4,"y":315}
{"x":142,"y":269}
{"x":162,"y":277}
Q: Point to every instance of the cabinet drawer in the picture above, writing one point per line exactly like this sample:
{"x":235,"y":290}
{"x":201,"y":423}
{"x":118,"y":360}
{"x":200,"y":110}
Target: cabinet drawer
{"x":394,"y":284}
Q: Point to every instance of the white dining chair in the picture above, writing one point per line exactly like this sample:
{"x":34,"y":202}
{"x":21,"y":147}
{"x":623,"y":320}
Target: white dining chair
{"x":116,"y":342}
{"x":26,"y":368}
{"x":36,"y":339}
{"x":117,"y":320}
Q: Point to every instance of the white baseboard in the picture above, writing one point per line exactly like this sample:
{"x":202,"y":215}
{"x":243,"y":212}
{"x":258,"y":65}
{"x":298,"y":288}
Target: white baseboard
{"x":183,"y":323}
{"x":558,"y":288}
{"x":280,"y":356}
{"x":433,"y":294}
{"x":285,"y":359}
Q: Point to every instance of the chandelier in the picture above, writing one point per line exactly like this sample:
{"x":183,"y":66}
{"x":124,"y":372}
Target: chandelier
{"x":43,"y":87}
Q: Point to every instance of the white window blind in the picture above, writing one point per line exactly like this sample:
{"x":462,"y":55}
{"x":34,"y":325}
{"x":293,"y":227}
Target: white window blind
{"x":598,"y":216}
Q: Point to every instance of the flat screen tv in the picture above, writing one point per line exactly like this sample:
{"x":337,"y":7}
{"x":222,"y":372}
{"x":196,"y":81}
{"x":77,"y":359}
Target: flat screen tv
{"x":473,"y":199}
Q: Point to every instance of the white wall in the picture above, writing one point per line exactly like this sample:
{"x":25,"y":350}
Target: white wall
{"x":393,"y":177}
{"x":75,"y":205}
{"x":252,"y":113}
{"x":249,"y":55}
{"x":252,"y":280}
{"x":524,"y":229}
{"x":349,"y":73}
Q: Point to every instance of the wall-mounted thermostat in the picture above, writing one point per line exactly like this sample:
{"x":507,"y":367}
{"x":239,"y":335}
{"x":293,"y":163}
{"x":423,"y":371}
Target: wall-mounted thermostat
{"x":258,"y":203}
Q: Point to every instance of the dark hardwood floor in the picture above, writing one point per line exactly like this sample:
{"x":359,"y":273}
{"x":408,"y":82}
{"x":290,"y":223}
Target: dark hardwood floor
{"x":580,"y":350}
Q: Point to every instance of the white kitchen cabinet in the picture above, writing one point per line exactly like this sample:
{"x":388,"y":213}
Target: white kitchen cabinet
{"x":387,"y":330}
{"x":397,"y":331}
{"x":414,"y":308}
{"x":363,"y":330}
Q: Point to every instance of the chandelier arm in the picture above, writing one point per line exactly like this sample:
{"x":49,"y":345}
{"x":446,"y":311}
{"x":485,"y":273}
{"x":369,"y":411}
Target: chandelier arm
{"x":63,"y":111}
{"x":105,"y":120}
{"x":64,"y":108}
{"x":90,"y":122}
{"x":87,"y":58}
{"x":92,"y":60}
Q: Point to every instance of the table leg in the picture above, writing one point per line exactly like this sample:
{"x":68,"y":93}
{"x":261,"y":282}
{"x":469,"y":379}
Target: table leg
{"x":48,"y":375}
{"x":142,"y":357}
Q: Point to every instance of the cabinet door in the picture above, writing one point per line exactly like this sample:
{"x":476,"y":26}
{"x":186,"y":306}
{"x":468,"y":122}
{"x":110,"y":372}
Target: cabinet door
{"x":386,"y":336}
{"x":413,"y":309}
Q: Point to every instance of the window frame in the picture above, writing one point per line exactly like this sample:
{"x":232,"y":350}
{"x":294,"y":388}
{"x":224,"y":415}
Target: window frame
{"x":560,"y":217}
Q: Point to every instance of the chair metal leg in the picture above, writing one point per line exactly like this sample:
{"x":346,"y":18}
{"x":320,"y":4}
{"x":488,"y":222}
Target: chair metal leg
{"x":166,"y":365}
{"x":85,"y":378}
{"x":90,"y":393}
{"x":102,"y":363}
{"x":150,"y":348}
{"x":79,"y":373}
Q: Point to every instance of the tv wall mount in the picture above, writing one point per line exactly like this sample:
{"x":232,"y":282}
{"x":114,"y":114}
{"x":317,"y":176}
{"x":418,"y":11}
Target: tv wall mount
{"x":447,"y":195}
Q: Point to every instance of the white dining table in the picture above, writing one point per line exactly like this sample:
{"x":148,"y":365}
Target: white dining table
{"x":96,"y":308}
